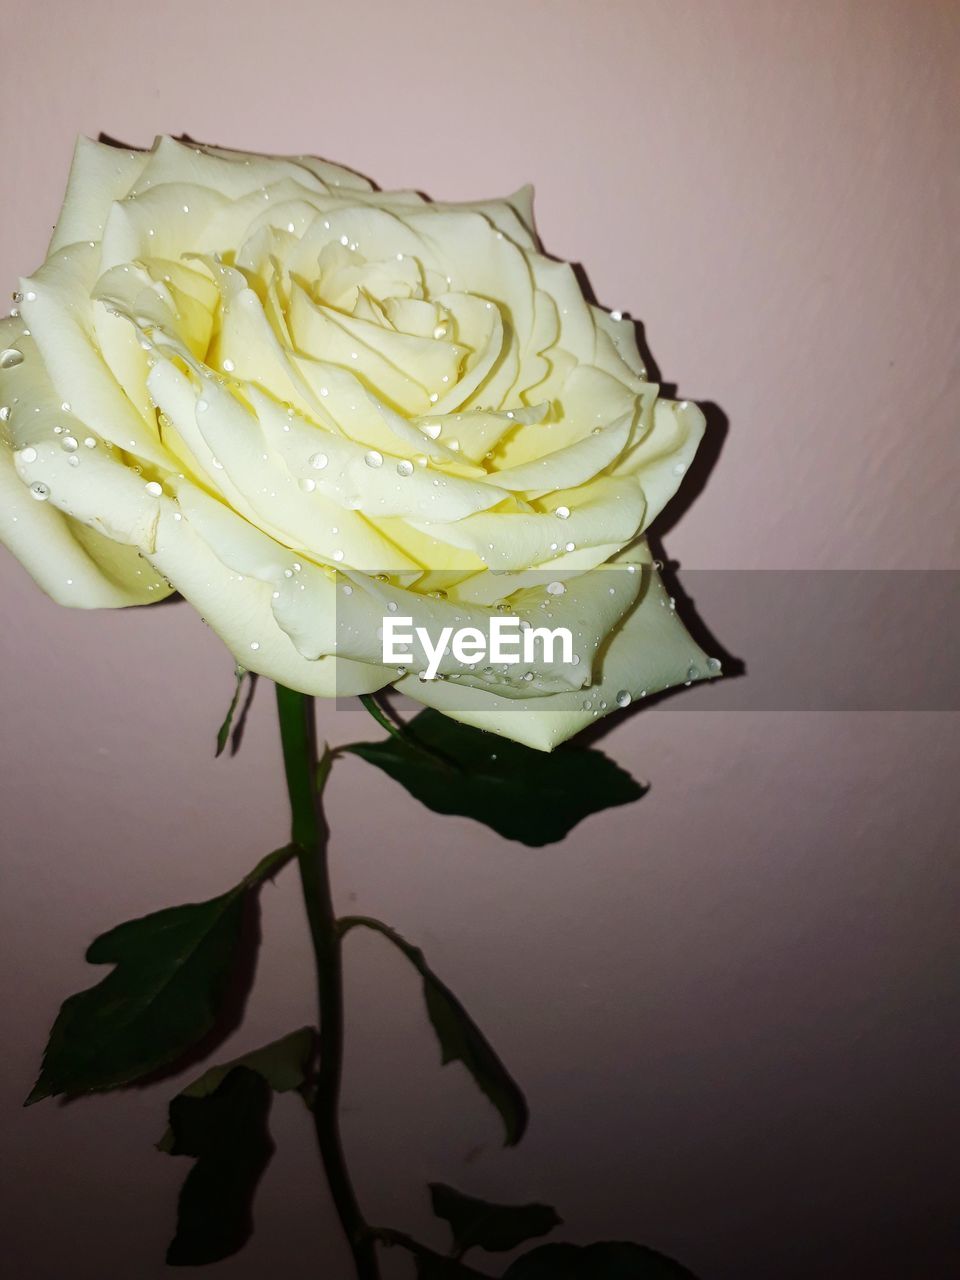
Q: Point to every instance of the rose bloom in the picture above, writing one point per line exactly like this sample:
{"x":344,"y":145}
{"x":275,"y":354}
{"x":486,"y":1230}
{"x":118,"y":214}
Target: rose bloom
{"x":294,"y":399}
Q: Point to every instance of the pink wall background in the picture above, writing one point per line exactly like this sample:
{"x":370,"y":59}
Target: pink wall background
{"x":731,"y":1004}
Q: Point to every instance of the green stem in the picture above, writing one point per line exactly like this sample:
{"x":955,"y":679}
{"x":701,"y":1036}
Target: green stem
{"x":305,"y":781}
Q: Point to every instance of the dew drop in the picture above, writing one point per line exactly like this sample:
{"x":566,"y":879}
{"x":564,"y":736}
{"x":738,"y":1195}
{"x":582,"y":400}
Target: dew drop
{"x":556,"y":588}
{"x":624,"y":698}
{"x":679,"y":468}
{"x":4,"y":413}
{"x":562,"y":513}
{"x":90,"y":443}
{"x":338,"y":556}
{"x":153,"y":489}
{"x":373,"y":458}
{"x":228,"y":366}
{"x":571,"y":546}
{"x":431,"y":429}
{"x":254,"y":645}
{"x":10,"y":357}
{"x":69,"y":444}
{"x":319,"y":461}
{"x":714,"y":664}
{"x":29,"y":454}
{"x":616,"y":315}
{"x":693,"y":673}
{"x":404,"y":468}
{"x":202,"y":406}
{"x":40,"y":491}
{"x":308,"y":485}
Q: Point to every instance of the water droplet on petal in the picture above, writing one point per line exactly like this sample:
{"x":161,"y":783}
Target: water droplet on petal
{"x":10,"y":358}
{"x":228,"y":366}
{"x":29,"y":454}
{"x":373,"y":458}
{"x":4,"y":413}
{"x":679,"y":468}
{"x":308,"y":485}
{"x":693,"y":673}
{"x":90,"y":443}
{"x":202,"y":406}
{"x":338,"y":556}
{"x":254,"y":644}
{"x":624,"y":698}
{"x":40,"y":491}
{"x":319,"y":461}
{"x":714,"y":664}
{"x":404,"y":468}
{"x":562,"y":513}
{"x":153,"y":489}
{"x":70,"y":444}
{"x":556,"y":588}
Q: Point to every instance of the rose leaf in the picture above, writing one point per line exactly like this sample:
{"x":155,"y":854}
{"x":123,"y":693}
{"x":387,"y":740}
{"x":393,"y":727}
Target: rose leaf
{"x":173,"y":970}
{"x":225,"y":1131}
{"x":284,"y":1064}
{"x":526,"y":795}
{"x":608,"y":1261}
{"x":494,"y":1227}
{"x":461,"y":1040}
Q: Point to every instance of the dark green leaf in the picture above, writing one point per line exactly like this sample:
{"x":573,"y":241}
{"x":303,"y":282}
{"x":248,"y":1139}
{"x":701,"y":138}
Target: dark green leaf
{"x":226,"y":1133}
{"x":223,"y":733}
{"x":461,"y":1040}
{"x":284,"y":1065}
{"x":531,"y":796}
{"x":173,"y":969}
{"x":495,"y":1227}
{"x":431,"y":1266}
{"x":612,"y":1261}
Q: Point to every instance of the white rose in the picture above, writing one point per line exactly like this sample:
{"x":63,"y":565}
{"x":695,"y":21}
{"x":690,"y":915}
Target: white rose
{"x":257,"y":381}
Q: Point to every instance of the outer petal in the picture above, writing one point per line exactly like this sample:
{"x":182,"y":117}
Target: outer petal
{"x":651,"y":651}
{"x":238,"y":608}
{"x":81,"y":542}
{"x":99,"y":175}
{"x":73,"y":564}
